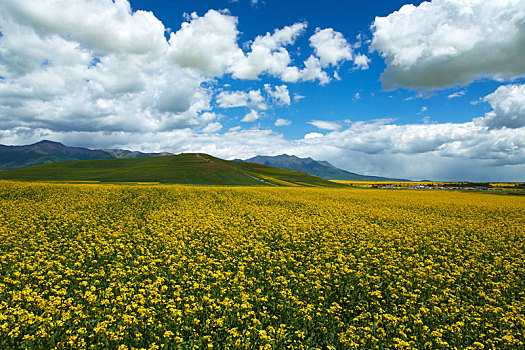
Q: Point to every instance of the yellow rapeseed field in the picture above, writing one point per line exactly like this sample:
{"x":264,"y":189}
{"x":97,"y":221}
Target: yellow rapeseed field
{"x":93,"y":266}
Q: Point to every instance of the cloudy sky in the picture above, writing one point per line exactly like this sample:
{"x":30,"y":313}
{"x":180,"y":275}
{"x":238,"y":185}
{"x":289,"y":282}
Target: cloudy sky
{"x":421,"y":90}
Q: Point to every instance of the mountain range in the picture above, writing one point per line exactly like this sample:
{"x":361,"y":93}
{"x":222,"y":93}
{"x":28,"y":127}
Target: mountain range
{"x":310,"y":166}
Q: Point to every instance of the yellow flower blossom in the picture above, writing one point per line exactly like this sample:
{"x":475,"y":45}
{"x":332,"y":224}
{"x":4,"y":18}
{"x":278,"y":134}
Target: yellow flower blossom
{"x":92,"y":266}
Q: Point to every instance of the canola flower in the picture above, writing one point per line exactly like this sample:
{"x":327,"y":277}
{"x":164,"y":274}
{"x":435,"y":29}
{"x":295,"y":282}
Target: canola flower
{"x":173,"y":267}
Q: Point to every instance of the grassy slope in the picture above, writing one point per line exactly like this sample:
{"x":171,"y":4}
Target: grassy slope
{"x":190,"y":168}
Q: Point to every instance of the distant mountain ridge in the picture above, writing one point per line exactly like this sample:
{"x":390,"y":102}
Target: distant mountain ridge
{"x":322,"y":169}
{"x":47,"y":152}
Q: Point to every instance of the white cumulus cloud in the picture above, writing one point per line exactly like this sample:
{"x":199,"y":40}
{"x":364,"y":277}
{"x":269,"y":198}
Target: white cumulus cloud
{"x":448,"y":42}
{"x":268,"y":53}
{"x":250,"y":117}
{"x":313,"y":135}
{"x":279,"y":93}
{"x":508,"y":107}
{"x":101,"y":26}
{"x":361,"y":61}
{"x":101,"y":67}
{"x":252,"y":99}
{"x":325,"y":124}
{"x":212,"y":128}
{"x":330,"y":46}
{"x":105,"y":67}
{"x":282,"y":122}
{"x":312,"y":71}
{"x":207,"y":43}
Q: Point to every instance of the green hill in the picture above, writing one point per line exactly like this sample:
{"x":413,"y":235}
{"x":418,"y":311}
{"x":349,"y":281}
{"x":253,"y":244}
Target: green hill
{"x":188,"y":168}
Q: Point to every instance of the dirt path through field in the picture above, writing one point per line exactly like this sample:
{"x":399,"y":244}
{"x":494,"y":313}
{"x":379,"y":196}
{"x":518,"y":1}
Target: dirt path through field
{"x":198,"y":155}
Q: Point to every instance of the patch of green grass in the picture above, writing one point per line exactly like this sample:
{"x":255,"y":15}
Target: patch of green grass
{"x":186,"y":168}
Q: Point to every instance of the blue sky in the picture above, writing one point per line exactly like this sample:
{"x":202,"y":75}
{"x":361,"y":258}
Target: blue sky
{"x":336,"y":100}
{"x":411,"y":89}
